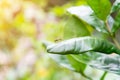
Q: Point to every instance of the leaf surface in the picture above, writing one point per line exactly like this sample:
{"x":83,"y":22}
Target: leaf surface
{"x":84,"y":44}
{"x":86,"y":14}
{"x":70,"y":63}
{"x":100,"y":7}
{"x":75,"y":28}
{"x":101,"y":61}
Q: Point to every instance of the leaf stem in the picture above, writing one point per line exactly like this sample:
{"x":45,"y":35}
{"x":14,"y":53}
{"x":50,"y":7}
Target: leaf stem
{"x":115,"y":42}
{"x":103,"y":76}
{"x":113,"y":37}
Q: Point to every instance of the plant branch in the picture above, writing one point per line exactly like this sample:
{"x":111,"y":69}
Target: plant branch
{"x":116,"y":43}
{"x":113,"y":37}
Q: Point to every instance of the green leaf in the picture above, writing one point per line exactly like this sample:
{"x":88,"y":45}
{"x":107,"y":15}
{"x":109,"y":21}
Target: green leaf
{"x":86,"y":14}
{"x":116,"y":24}
{"x":62,"y":60}
{"x":100,"y":61}
{"x":100,"y":7}
{"x":70,"y":63}
{"x":67,"y":61}
{"x":79,"y":67}
{"x":75,"y":28}
{"x":116,"y":6}
{"x":115,"y":12}
{"x":78,"y":62}
{"x":84,"y":44}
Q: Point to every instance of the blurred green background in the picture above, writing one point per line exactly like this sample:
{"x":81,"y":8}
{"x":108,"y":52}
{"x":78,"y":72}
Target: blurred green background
{"x":24,"y":24}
